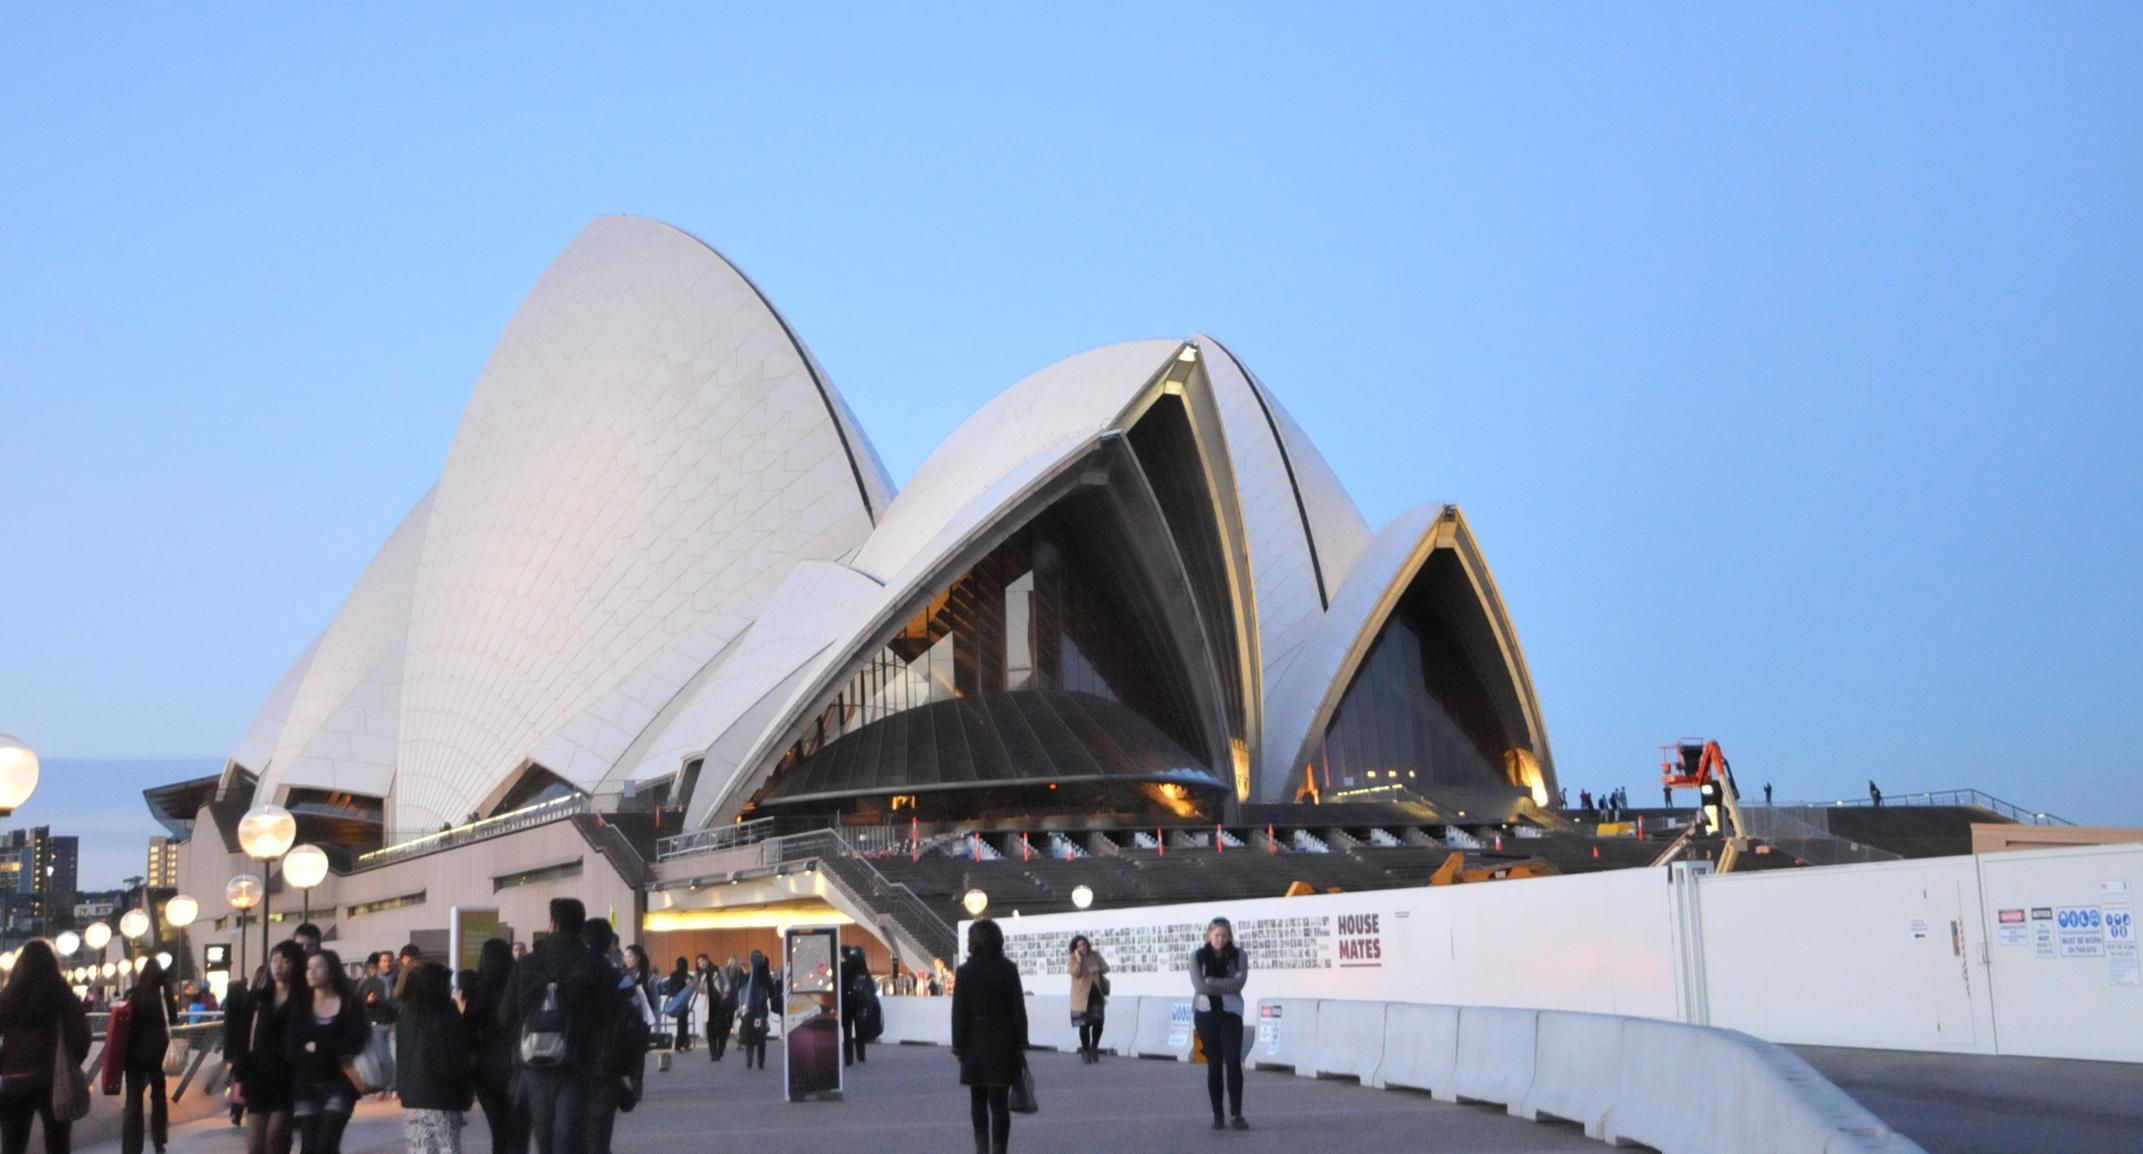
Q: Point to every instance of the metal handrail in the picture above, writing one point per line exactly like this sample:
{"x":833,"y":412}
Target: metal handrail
{"x":1960,"y":797}
{"x":718,"y":838}
{"x":528,"y":817}
{"x":827,"y":843}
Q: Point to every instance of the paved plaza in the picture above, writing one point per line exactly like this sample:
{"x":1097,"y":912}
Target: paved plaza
{"x":907,"y":1100}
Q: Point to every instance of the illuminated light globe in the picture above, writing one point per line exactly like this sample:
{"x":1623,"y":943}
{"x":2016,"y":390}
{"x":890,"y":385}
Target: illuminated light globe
{"x":18,"y":774}
{"x":67,"y":943}
{"x":163,"y":959}
{"x":109,"y":968}
{"x":7,"y":962}
{"x":134,"y":923}
{"x":243,"y":892}
{"x":181,"y":911}
{"x":266,"y":832}
{"x":1082,"y":896}
{"x":974,"y":902}
{"x":305,"y":866}
{"x":96,"y":935}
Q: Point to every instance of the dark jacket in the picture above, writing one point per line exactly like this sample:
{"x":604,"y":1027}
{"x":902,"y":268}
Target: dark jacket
{"x":26,"y":1050}
{"x":586,"y":983}
{"x":490,"y":1041}
{"x":434,"y":1067}
{"x":376,"y":994}
{"x":258,"y":1064}
{"x":317,"y":1050}
{"x":148,"y":1032}
{"x":989,"y":1022}
{"x":755,"y":999}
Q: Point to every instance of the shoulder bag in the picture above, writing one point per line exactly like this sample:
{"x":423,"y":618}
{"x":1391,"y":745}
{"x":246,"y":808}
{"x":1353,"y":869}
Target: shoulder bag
{"x":70,"y":1087}
{"x":1021,"y":1100}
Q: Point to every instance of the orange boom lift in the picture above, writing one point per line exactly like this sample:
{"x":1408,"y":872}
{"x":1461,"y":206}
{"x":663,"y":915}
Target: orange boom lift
{"x":1694,"y":763}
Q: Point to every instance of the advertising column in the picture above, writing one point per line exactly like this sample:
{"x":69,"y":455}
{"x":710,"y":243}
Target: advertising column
{"x":811,"y":1011}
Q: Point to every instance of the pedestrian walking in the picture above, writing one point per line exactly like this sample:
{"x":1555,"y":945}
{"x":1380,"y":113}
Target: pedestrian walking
{"x":708,"y":976}
{"x":40,"y":1018}
{"x":1089,"y":996}
{"x":722,"y":1014}
{"x":1875,"y":793}
{"x":753,"y":1003}
{"x":322,"y":1032}
{"x":560,"y":1015}
{"x":623,"y":1062}
{"x":492,"y":1047}
{"x":259,"y":1071}
{"x":1767,"y":793}
{"x":678,"y":991}
{"x":433,"y":1072}
{"x":859,"y":1004}
{"x":148,"y":1010}
{"x":989,"y":1034}
{"x":1218,"y":970}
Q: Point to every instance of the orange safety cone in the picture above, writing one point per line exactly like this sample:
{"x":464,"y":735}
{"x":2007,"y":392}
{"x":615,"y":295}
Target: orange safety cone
{"x":1272,"y":843}
{"x":1596,"y":853}
{"x":1220,"y":845}
{"x":1499,"y":841}
{"x":1161,"y":839}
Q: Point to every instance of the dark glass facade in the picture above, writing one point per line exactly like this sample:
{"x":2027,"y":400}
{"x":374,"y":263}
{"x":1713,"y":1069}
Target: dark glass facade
{"x":1047,"y":664}
{"x":1418,"y":713}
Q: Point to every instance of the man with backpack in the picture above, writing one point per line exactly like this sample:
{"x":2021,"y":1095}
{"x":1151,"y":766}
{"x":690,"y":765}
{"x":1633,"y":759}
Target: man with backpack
{"x":561,"y":1013}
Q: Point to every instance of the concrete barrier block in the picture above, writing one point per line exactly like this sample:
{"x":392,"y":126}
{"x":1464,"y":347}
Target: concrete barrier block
{"x":1049,"y":1023}
{"x":1576,"y":1063}
{"x":919,"y":1020}
{"x":1121,"y":1027}
{"x":1420,"y":1048}
{"x":1495,"y":1054}
{"x":1350,"y":1040}
{"x":1283,"y":1035}
{"x":1164,"y":1029}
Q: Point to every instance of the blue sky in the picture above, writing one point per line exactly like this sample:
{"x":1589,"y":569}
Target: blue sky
{"x":1785,"y":358}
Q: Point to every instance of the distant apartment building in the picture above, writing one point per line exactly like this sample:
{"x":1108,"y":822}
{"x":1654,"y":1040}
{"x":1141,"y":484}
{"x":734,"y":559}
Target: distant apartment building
{"x":38,"y":872}
{"x":163,"y":871}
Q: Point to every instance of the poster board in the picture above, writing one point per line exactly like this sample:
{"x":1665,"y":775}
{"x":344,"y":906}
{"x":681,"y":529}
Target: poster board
{"x":811,"y":1011}
{"x":468,"y":928}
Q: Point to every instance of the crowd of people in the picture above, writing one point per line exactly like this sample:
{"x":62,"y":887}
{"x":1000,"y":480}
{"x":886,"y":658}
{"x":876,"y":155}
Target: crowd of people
{"x":550,"y":1043}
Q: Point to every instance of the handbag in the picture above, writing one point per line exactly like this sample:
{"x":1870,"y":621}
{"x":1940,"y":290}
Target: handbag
{"x":1021,"y":1099}
{"x":70,"y":1087}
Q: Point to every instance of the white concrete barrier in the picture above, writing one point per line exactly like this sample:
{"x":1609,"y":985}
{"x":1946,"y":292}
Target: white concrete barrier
{"x":1283,"y":1035}
{"x":1420,"y":1048}
{"x":1495,"y":1055}
{"x":1577,"y":1059}
{"x":1120,"y":1026}
{"x":1049,"y":1023}
{"x":1350,"y":1041}
{"x":1164,"y":1029}
{"x":1688,"y":1089}
{"x":920,"y":1020}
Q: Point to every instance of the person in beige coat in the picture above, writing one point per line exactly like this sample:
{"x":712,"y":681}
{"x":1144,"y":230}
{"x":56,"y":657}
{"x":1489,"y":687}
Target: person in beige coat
{"x":1089,"y":996}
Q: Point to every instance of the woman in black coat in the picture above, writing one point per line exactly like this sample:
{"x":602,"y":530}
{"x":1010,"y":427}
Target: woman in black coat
{"x":989,"y":1034}
{"x":493,"y":1046}
{"x":322,"y":1032}
{"x":148,"y":1036}
{"x":754,"y":1002}
{"x":432,"y":1071}
{"x":680,"y":982}
{"x":258,"y":1068}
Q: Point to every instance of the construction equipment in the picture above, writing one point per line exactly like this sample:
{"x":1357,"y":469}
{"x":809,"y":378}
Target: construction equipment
{"x":1455,"y":871}
{"x":1694,"y":763}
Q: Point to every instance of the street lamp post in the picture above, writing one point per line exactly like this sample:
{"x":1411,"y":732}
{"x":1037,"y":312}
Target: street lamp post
{"x":243,"y":893}
{"x":305,"y":867}
{"x":18,"y":774}
{"x":265,"y":833}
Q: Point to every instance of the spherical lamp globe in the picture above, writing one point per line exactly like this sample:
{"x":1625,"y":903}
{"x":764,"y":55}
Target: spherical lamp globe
{"x":18,"y":774}
{"x":7,"y":962}
{"x":974,"y":902}
{"x":67,"y":943}
{"x":134,"y":923}
{"x":96,"y":935}
{"x":1082,"y":896}
{"x":163,"y":959}
{"x":243,"y":892}
{"x":108,"y":969}
{"x":305,"y":866}
{"x":181,"y":911}
{"x":266,"y":832}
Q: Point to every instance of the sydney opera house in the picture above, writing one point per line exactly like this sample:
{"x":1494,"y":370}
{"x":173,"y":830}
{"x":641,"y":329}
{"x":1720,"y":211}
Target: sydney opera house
{"x":664,"y":593}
